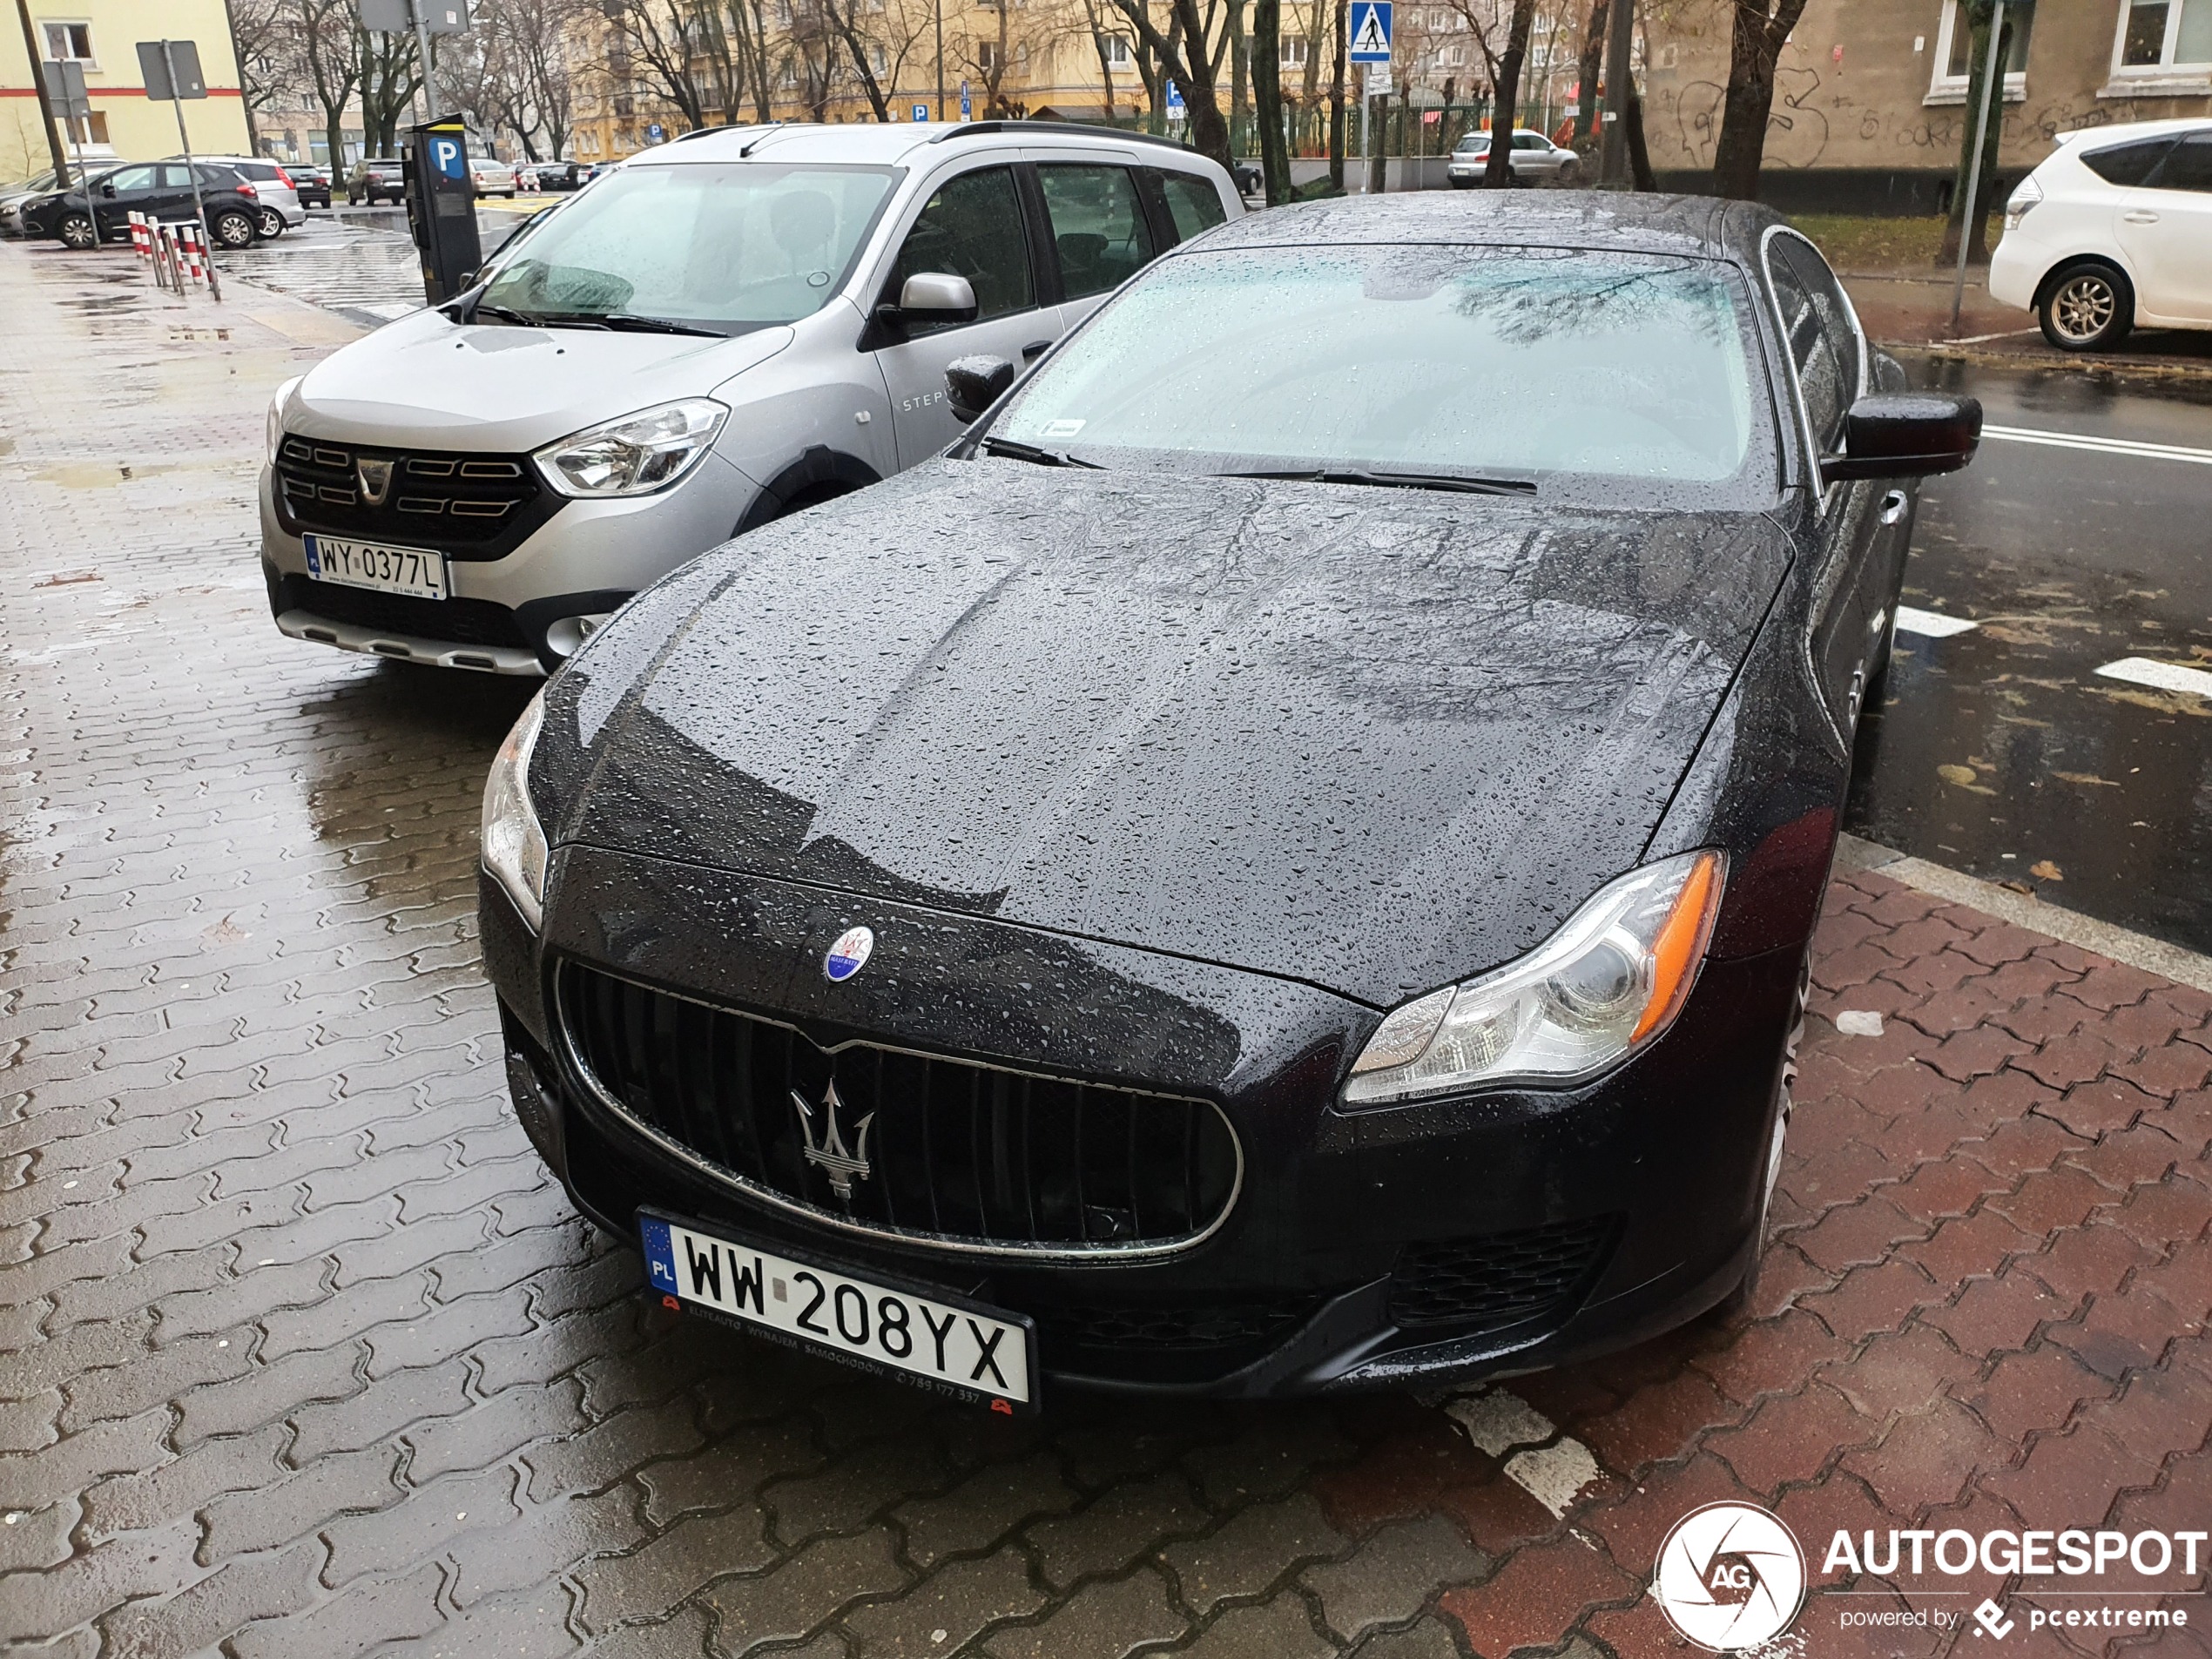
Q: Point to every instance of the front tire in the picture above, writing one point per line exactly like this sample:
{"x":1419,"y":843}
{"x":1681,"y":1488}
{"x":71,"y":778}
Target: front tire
{"x":270,"y":224}
{"x":2087,"y":305}
{"x":232,"y":229}
{"x":1739,"y":1298}
{"x":76,"y":231}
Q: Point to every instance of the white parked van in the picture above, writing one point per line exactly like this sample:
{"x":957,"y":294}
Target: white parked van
{"x":729,"y":328}
{"x":2112,"y":232}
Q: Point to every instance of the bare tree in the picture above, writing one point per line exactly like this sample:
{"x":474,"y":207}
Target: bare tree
{"x":390,"y":76}
{"x":1970,"y":195}
{"x":1267,"y":98}
{"x":1760,"y":29}
{"x":1190,"y":51}
{"x":1504,"y":45}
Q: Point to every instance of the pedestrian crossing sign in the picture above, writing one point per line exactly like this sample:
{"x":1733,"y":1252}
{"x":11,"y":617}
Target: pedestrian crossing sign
{"x":1370,"y":31}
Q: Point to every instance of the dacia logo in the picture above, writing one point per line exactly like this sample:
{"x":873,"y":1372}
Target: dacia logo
{"x":375,"y":480}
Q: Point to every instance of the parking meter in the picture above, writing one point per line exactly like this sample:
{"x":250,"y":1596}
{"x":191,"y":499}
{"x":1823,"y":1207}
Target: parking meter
{"x":441,"y":207}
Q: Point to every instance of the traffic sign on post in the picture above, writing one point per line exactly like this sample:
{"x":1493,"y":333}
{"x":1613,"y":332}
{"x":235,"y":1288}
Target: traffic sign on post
{"x":654,"y":131}
{"x":921,"y":111}
{"x":64,"y":79}
{"x":967,"y":109}
{"x":1370,"y":32}
{"x":160,"y":60}
{"x":397,"y":17}
{"x":1177,"y":109}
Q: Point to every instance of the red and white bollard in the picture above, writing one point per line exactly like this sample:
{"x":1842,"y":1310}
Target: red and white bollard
{"x":139,"y":235}
{"x":195,"y":252}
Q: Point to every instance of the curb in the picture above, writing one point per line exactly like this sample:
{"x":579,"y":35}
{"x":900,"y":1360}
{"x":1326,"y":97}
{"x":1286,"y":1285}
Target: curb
{"x":2070,"y":926}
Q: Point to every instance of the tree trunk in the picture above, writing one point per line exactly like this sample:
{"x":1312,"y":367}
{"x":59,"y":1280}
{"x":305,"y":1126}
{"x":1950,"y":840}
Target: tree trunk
{"x":1754,"y":45}
{"x":1970,"y":199}
{"x":1336,"y":101}
{"x":1240,"y":103}
{"x":1639,"y":151}
{"x":1378,"y":139}
{"x":1267,"y":98}
{"x":1591,"y":67}
{"x":1497,"y":172}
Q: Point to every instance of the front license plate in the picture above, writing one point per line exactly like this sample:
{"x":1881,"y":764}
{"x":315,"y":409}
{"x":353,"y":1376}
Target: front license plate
{"x":415,"y":571}
{"x":945,"y":1342}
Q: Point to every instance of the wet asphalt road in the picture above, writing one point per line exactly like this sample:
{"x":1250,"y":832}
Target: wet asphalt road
{"x":2000,"y":750}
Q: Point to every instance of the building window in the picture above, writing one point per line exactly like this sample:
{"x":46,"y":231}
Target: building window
{"x":67,"y":41}
{"x":1954,"y":56}
{"x":1117,"y":52}
{"x":90,"y":129}
{"x":987,"y":55}
{"x":1294,"y":51}
{"x":2159,"y":36}
{"x":879,"y":60}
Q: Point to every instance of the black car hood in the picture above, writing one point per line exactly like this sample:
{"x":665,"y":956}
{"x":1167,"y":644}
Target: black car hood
{"x":1371,"y":739}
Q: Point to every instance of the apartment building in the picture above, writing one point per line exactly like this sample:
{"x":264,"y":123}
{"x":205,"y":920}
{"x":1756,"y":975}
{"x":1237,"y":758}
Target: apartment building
{"x":103,"y":35}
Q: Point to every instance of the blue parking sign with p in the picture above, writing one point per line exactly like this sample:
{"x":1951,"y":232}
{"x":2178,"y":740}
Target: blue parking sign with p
{"x":921,"y":111}
{"x":1370,"y":31}
{"x":449,"y":156}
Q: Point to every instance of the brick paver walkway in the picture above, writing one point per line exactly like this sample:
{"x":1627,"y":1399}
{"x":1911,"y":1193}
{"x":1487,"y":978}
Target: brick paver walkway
{"x":301,"y":1352}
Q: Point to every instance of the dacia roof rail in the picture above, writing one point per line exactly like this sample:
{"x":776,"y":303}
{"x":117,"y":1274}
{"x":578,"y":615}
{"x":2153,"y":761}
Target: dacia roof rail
{"x":967,"y":129}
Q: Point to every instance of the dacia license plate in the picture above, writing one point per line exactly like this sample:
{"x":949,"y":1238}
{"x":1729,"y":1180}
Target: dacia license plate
{"x":945,"y":1342}
{"x":415,"y":571}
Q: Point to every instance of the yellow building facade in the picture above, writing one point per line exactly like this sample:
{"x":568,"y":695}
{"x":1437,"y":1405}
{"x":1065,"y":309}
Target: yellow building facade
{"x":103,"y":35}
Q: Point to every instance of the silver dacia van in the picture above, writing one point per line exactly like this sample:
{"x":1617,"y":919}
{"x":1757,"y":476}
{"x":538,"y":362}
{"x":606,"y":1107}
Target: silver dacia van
{"x":725,"y":329}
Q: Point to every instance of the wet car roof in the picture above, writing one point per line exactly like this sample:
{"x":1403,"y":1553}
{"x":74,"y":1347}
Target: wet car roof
{"x":1700,"y":226}
{"x":870,"y":143}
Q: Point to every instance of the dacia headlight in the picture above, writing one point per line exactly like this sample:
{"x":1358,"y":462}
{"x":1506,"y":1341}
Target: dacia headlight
{"x":513,"y":841}
{"x":1605,"y":984}
{"x":636,"y":453}
{"x":275,"y":432}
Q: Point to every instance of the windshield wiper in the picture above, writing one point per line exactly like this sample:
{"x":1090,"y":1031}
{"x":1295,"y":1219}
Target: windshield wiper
{"x":623,"y":319}
{"x":480,"y":310}
{"x":1014,"y":451}
{"x":1395,"y":480}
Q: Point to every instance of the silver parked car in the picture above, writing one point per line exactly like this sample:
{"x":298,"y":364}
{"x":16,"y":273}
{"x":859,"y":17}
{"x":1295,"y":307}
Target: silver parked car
{"x":1535,"y":160}
{"x":727,"y":329}
{"x":14,"y":196}
{"x":273,"y":187}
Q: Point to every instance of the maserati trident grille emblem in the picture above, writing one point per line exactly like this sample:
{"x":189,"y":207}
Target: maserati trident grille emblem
{"x":829,"y":1154}
{"x":376,"y":480}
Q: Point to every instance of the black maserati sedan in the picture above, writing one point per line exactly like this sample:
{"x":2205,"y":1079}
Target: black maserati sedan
{"x":1281,"y":862}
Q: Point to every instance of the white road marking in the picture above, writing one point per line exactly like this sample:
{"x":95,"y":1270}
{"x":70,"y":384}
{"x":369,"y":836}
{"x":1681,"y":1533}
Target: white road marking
{"x":2100,"y":446}
{"x":2165,"y":677}
{"x":1911,"y":619}
{"x":1498,"y":1421}
{"x":1554,"y":1475}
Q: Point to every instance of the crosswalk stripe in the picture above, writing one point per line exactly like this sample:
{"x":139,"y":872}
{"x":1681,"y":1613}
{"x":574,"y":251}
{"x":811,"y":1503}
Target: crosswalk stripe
{"x":2099,"y":446}
{"x":1911,"y":619}
{"x":2164,"y":676}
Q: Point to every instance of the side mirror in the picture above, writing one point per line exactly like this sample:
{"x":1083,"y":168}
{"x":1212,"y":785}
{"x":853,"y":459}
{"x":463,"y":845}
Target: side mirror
{"x":1905,"y":434}
{"x":933,"y":296}
{"x":973,"y":384}
{"x":107,"y":190}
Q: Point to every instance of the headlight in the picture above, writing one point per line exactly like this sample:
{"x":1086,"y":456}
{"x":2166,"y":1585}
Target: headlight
{"x":514,"y":845}
{"x":636,"y":454}
{"x":276,"y":415}
{"x":2025,"y":196}
{"x":1606,"y":984}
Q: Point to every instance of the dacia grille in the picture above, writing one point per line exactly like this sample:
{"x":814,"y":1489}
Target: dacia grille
{"x":920,"y":1146}
{"x":433,"y":499}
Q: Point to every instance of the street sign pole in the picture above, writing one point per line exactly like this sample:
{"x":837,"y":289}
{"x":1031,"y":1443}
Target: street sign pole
{"x":1996,"y":70}
{"x":422,"y":45}
{"x":65,"y":96}
{"x":1370,"y":49}
{"x":184,"y":142}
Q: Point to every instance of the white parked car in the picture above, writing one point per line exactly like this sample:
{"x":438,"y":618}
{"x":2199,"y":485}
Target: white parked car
{"x":1534,"y":159}
{"x":490,"y":177}
{"x":2112,"y":232}
{"x":727,"y":328}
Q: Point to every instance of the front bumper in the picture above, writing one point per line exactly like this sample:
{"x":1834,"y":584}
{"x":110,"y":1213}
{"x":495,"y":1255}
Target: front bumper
{"x":584,"y":560}
{"x":1342,"y":1220}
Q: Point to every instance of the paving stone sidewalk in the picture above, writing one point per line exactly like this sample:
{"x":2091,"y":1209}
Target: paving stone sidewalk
{"x":301,"y":1352}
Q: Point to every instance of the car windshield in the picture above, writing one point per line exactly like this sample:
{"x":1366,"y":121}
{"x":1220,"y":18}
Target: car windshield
{"x":724,"y":247}
{"x":1523,"y":366}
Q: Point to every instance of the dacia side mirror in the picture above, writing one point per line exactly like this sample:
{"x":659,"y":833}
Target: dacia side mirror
{"x":1905,"y":434}
{"x":935,"y":296}
{"x":973,"y":384}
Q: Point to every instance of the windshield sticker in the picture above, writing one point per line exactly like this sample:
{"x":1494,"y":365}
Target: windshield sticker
{"x":1062,"y":428}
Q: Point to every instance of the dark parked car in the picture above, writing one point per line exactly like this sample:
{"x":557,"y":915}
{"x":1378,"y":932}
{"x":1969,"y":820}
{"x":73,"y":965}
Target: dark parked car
{"x":554,"y":175}
{"x":378,"y":179}
{"x":1252,"y":873}
{"x":313,"y":182}
{"x":162,"y":189}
